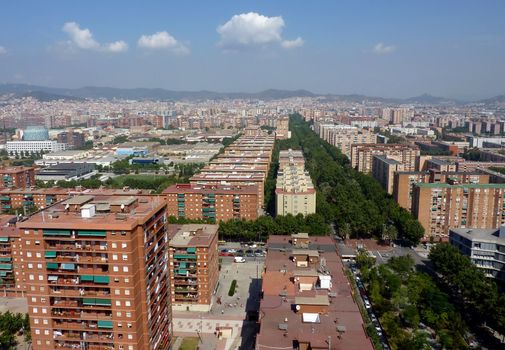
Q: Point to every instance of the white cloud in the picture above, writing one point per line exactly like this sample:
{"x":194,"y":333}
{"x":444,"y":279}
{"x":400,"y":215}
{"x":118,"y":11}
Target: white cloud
{"x":83,"y":39}
{"x":291,"y":44}
{"x":382,"y":48}
{"x":162,"y":40}
{"x":253,"y":29}
{"x":3,"y":50}
{"x":117,"y":46}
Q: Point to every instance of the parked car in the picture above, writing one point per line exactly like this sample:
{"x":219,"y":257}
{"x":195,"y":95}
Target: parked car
{"x":239,"y":259}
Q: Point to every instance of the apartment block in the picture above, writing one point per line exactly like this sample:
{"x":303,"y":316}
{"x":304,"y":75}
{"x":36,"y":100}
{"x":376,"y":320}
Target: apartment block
{"x":344,"y":136}
{"x":218,"y":202}
{"x":96,"y":274}
{"x":294,"y":192}
{"x":384,"y":169}
{"x":486,"y":248}
{"x":17,"y":177}
{"x":282,"y":128}
{"x":236,"y":168}
{"x":31,"y":197}
{"x":362,"y":155}
{"x":404,"y":181}
{"x":231,"y":161}
{"x":10,"y":275}
{"x":194,"y":266}
{"x":243,"y":179}
{"x":306,"y":300}
{"x":440,"y":206}
{"x":291,"y":157}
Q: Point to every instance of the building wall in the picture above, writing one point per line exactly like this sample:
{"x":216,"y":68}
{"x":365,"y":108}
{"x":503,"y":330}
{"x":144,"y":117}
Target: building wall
{"x":362,"y":155}
{"x":295,"y":203}
{"x":444,"y":207}
{"x":384,"y":170}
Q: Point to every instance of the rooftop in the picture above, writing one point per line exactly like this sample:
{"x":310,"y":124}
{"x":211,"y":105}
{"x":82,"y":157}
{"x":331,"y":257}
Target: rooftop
{"x":194,"y":235}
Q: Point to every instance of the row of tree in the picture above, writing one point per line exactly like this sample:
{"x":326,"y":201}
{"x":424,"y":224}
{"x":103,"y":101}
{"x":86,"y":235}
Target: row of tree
{"x":411,"y":307}
{"x":353,"y":201}
{"x":478,"y":295}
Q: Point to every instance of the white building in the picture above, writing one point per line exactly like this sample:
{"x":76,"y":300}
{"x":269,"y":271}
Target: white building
{"x":16,"y":147}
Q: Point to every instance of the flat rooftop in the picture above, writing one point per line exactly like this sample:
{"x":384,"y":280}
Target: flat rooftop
{"x":111,"y":213}
{"x":15,"y":169}
{"x":209,"y":176}
{"x":478,"y":234}
{"x":211,"y":189}
{"x":193,"y":235}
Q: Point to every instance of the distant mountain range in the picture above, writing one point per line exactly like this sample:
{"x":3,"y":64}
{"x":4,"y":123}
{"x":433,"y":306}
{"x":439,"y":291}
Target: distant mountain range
{"x":44,"y":93}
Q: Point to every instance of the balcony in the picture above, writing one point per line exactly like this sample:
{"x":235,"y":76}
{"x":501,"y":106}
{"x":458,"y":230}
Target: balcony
{"x":88,"y":315}
{"x":88,"y":337}
{"x":78,"y":292}
{"x":80,"y":246}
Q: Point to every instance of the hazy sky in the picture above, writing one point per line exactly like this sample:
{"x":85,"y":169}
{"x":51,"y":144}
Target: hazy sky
{"x":382,"y":48}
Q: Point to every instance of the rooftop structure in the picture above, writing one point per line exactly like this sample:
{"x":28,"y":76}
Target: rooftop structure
{"x":307,"y":301}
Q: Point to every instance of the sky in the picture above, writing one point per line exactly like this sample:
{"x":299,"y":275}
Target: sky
{"x":388,"y":48}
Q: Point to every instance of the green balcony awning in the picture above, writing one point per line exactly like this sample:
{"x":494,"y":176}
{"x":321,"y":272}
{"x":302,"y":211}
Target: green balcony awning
{"x":87,"y":278}
{"x":5,"y":259}
{"x":182,"y":265}
{"x":88,"y":301}
{"x":184,"y":256}
{"x":56,"y":232}
{"x":191,"y":250}
{"x":5,"y":266}
{"x":52,"y":266}
{"x":3,"y":273}
{"x":105,"y":324}
{"x":103,"y":302}
{"x":50,"y":254}
{"x":101,"y":279}
{"x":4,"y":239}
{"x":182,"y":272}
{"x":91,"y":233}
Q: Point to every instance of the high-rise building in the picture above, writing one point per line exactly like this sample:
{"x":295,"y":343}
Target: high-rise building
{"x":73,"y":139}
{"x":96,"y":274}
{"x":218,"y":202}
{"x":291,"y":157}
{"x":404,"y":182}
{"x":194,"y":266}
{"x":362,"y":155}
{"x":440,"y":206}
{"x":294,"y":192}
{"x":11,"y":275}
{"x":344,"y":136}
{"x":384,"y":169}
{"x":17,"y":177}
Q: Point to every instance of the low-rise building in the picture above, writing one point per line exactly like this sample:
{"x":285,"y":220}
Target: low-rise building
{"x":16,"y":148}
{"x":66,"y":172}
{"x":306,"y":299}
{"x":194,"y":266}
{"x":486,"y":248}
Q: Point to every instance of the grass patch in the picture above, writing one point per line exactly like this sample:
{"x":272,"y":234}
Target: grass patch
{"x":189,"y":343}
{"x":233,"y":286}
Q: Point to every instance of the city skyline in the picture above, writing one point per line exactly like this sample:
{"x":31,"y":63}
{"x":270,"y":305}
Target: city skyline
{"x":387,"y":50}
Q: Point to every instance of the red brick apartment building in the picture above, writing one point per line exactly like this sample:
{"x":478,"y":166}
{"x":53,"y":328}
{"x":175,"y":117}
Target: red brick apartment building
{"x":362,"y":155}
{"x":219,"y":202}
{"x":95,"y":274}
{"x":306,"y":298}
{"x":194,"y":266}
{"x":10,"y":275}
{"x":17,"y":177}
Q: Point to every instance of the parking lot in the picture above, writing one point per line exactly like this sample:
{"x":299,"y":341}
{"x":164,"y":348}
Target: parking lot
{"x":246,"y":297}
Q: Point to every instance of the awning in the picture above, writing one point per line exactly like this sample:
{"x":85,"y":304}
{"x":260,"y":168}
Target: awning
{"x":52,"y":278}
{"x":4,"y":239}
{"x":68,"y":266}
{"x":103,"y":302}
{"x":88,"y":301}
{"x":91,"y":233}
{"x":101,"y":279}
{"x":191,"y":250}
{"x":56,"y":233}
{"x":5,"y":266}
{"x":5,"y":259}
{"x":105,"y":324}
{"x":87,"y":278}
{"x":182,"y":272}
{"x":182,"y":265}
{"x":50,"y":254}
{"x":3,"y":273}
{"x":52,"y":266}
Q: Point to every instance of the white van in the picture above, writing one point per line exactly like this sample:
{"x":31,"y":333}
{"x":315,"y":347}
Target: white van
{"x":239,"y":259}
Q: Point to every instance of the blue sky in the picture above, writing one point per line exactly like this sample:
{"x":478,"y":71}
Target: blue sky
{"x":382,"y":48}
